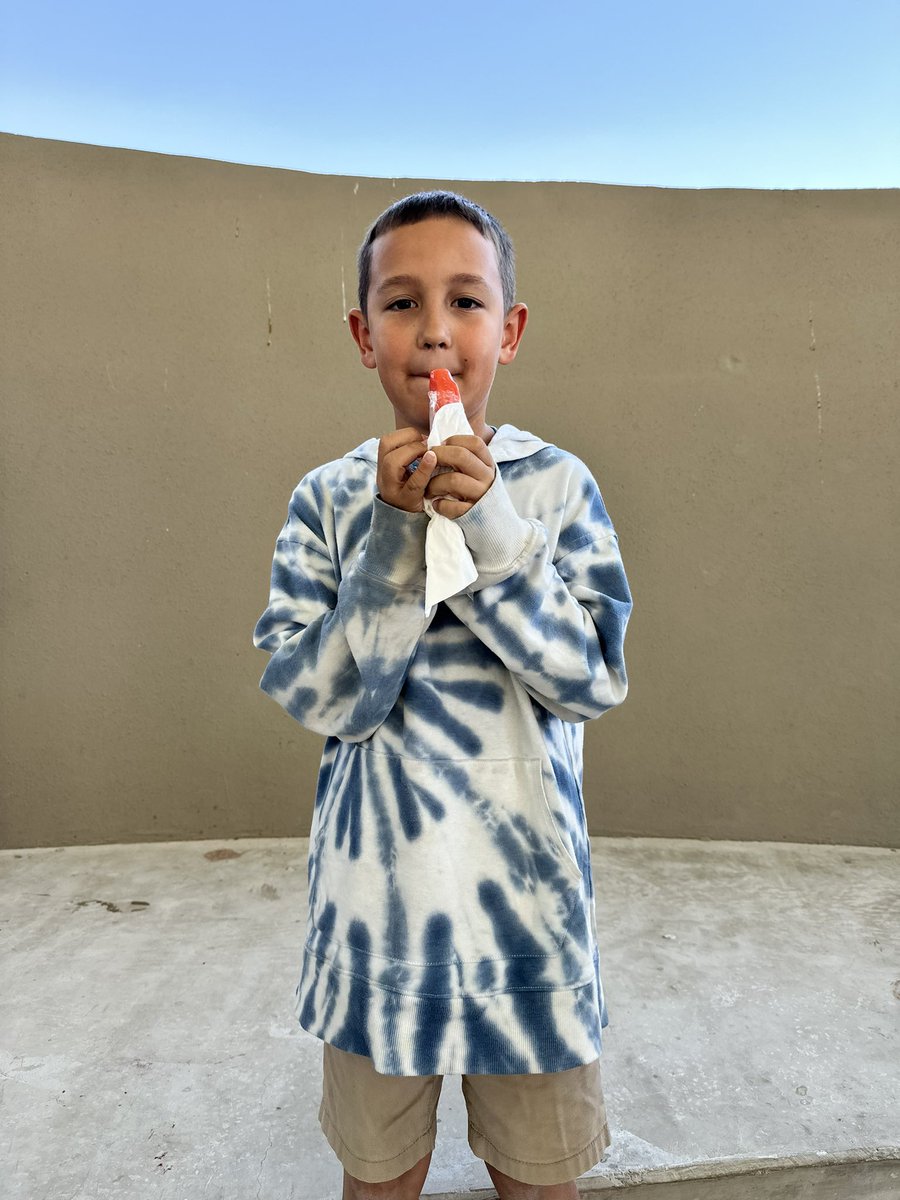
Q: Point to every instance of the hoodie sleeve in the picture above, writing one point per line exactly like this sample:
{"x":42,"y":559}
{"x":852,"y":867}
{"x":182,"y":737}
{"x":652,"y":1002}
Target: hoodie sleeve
{"x":341,"y":645}
{"x":555,"y":615}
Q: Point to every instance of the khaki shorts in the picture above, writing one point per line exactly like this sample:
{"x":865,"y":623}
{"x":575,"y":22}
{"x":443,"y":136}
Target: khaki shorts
{"x":539,"y":1129}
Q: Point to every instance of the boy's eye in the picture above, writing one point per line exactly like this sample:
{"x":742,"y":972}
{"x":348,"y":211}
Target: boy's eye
{"x":400,"y":305}
{"x":468,"y":302}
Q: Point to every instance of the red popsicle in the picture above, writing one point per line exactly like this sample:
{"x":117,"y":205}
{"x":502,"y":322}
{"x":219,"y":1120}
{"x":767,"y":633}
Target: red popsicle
{"x":442,"y":389}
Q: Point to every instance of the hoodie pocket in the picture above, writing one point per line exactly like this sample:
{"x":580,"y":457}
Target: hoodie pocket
{"x":555,"y":828}
{"x":441,"y":861}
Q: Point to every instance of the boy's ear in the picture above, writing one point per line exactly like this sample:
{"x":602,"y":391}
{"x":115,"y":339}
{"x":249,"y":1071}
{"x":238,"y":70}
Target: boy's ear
{"x":359,"y":328}
{"x":513,"y":328}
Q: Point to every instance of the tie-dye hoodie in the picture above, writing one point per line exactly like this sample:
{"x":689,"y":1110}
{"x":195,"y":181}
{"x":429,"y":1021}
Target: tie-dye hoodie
{"x":451,"y":923}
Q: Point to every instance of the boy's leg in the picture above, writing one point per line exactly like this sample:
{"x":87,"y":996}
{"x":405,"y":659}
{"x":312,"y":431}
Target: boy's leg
{"x":511,"y":1189}
{"x":407,"y":1186}
{"x":381,"y":1127}
{"x":537,"y":1133}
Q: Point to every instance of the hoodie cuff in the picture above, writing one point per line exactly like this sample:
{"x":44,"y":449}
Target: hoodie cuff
{"x":496,"y":535}
{"x":395,"y":548}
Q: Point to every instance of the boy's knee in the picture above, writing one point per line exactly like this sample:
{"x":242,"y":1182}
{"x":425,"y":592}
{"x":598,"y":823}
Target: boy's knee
{"x":514,"y":1189}
{"x":407,"y":1186}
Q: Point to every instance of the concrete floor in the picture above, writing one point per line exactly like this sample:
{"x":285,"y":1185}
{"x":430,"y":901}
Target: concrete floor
{"x":148,"y":1047}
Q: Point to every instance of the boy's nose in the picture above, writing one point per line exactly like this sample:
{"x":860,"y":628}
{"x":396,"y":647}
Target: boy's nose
{"x":434,"y":333}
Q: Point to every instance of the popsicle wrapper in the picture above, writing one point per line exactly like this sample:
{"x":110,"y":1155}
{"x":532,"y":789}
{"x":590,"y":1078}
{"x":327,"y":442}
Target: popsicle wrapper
{"x":448,"y":562}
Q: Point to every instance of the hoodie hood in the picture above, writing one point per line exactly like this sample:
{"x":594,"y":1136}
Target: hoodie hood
{"x":507,"y":444}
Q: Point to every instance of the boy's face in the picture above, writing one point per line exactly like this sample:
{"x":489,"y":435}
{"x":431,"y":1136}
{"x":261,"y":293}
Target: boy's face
{"x":436,"y":300}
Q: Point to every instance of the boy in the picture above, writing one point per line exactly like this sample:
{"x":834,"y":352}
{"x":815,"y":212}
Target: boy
{"x":451,"y":916}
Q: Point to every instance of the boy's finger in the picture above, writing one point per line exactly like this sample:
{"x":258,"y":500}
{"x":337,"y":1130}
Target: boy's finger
{"x":461,"y":458}
{"x":456,"y":486}
{"x":400,"y":437}
{"x":419,"y":479}
{"x":398,"y":460}
{"x":473,"y":443}
{"x":448,"y":507}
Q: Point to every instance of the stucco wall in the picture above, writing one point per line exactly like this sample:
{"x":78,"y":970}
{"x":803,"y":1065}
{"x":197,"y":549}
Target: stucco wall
{"x":175,"y":359}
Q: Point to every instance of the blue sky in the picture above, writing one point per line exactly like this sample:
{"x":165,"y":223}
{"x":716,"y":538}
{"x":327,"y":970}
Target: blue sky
{"x":787,"y":94}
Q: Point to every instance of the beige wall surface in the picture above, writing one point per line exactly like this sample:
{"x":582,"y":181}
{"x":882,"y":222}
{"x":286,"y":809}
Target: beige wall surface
{"x":175,"y":358}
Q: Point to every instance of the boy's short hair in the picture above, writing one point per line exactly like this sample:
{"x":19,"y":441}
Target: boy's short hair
{"x":419,"y":207}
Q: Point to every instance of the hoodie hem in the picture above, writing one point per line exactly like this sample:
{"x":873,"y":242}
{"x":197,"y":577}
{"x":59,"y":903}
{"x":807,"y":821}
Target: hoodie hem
{"x":507,"y":1033}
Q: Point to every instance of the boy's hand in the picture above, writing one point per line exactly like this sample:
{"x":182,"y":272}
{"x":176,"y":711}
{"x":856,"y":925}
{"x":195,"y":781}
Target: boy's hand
{"x":396,"y":486}
{"x":471,"y":473}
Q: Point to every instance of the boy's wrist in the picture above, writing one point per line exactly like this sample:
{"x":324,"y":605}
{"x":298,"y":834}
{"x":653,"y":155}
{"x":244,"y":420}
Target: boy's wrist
{"x":410,"y":512}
